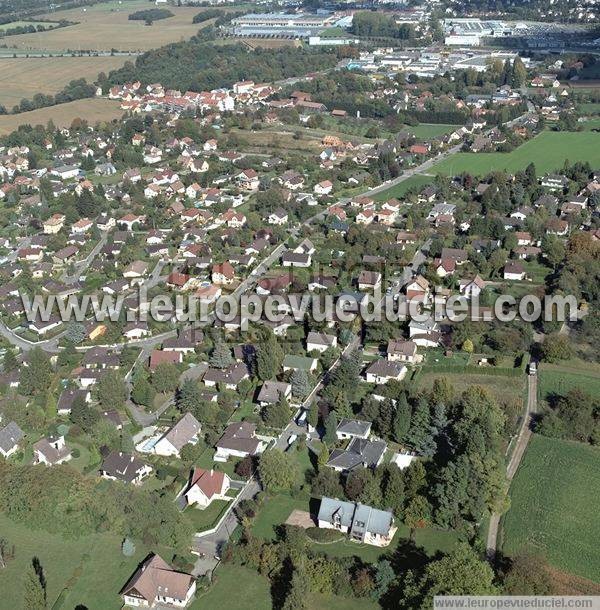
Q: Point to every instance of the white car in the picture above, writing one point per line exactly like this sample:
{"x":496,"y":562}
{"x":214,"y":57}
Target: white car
{"x":292,"y":439}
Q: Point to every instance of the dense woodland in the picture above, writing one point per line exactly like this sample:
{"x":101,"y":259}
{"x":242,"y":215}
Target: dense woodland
{"x":199,"y":66}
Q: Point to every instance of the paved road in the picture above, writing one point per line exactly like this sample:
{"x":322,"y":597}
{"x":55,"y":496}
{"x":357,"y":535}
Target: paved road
{"x":515,"y":459}
{"x":82,"y":265}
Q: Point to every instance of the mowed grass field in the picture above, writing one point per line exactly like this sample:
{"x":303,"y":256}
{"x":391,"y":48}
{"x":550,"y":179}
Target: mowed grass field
{"x":554,"y":506}
{"x":239,"y":588}
{"x":93,"y":110}
{"x":24,"y":77}
{"x":559,"y":379}
{"x":418,"y":181}
{"x":106,"y":26}
{"x":431,"y":130}
{"x":88,"y":571}
{"x":548,"y":151}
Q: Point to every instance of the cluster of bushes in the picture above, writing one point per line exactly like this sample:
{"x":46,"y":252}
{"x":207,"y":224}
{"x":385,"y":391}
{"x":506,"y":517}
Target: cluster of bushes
{"x":152,"y":14}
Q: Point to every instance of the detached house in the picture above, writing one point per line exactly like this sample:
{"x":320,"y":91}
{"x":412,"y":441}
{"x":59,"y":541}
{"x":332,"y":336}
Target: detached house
{"x":184,"y":432}
{"x":51,"y":451}
{"x":513,"y":271}
{"x":124,"y":467}
{"x":320,"y":342}
{"x":156,"y":584}
{"x":238,"y":440}
{"x":382,"y":371}
{"x":399,"y":350}
{"x":223,"y":273}
{"x":204,"y":486}
{"x":10,"y":437}
{"x":362,"y":523}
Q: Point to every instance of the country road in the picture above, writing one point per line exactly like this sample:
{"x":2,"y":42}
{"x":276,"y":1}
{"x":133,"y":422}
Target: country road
{"x":515,"y":460}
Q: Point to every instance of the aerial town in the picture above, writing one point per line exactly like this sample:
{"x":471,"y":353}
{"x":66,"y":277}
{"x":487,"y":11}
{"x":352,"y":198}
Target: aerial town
{"x":299,"y":307}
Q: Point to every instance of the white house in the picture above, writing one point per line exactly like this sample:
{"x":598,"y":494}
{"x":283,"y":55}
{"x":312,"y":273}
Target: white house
{"x":184,"y":432}
{"x":205,"y":486}
{"x":156,"y":583}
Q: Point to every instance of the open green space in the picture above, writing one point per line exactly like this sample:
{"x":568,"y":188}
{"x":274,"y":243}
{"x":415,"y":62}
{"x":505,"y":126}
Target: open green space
{"x":589,"y":107}
{"x":278,"y":508}
{"x":560,"y":378}
{"x":554,"y":499}
{"x":399,"y":190}
{"x":239,"y":588}
{"x":548,"y":151}
{"x":204,"y":519}
{"x":591,"y":124}
{"x":88,"y":571}
{"x":431,"y":130}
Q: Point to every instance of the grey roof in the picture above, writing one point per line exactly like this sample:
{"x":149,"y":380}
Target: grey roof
{"x":360,"y":453}
{"x":373,"y":520}
{"x":332,"y":507}
{"x":10,"y":436}
{"x":122,"y":466}
{"x":354,"y":427}
{"x":273,"y":391}
{"x":358,"y":518}
{"x":183,"y":431}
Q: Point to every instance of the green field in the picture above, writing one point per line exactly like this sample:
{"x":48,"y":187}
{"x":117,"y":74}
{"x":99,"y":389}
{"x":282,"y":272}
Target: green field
{"x":504,"y":389}
{"x":400,"y":190}
{"x":548,"y":151}
{"x":239,"y":588}
{"x":589,"y":107}
{"x":89,"y":571}
{"x":591,"y":124}
{"x":431,"y":130}
{"x":560,"y":378}
{"x":554,"y":506}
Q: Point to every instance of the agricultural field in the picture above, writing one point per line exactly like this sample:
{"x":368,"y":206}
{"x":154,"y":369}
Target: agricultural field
{"x":89,"y":570}
{"x":24,"y":77}
{"x":559,"y":379}
{"x":93,"y":110}
{"x":418,"y":181}
{"x":553,"y":503}
{"x":548,"y":151}
{"x":24,"y":24}
{"x":106,"y":26}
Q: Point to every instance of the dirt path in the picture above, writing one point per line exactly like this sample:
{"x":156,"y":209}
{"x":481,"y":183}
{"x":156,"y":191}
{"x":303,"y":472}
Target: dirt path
{"x":515,"y":460}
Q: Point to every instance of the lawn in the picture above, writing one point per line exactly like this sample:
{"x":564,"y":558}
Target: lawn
{"x":274,"y":512}
{"x":591,"y":124}
{"x":431,"y":130}
{"x":560,"y":378}
{"x":554,"y":506}
{"x":548,"y":151}
{"x":504,"y":389}
{"x":88,"y":571}
{"x":93,"y":110}
{"x":207,"y":518}
{"x":238,"y":588}
{"x":398,"y":191}
{"x":589,"y":107}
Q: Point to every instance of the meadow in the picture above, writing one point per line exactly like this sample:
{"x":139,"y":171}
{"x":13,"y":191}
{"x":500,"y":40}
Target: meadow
{"x":548,"y":151}
{"x":418,"y":181}
{"x":88,"y":571}
{"x":240,"y":588}
{"x":559,"y":379}
{"x":431,"y":130}
{"x":24,"y":77}
{"x":554,"y":506}
{"x":94,"y":110}
{"x":106,"y":26}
